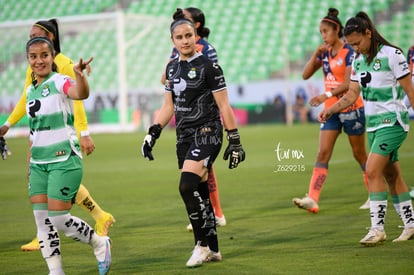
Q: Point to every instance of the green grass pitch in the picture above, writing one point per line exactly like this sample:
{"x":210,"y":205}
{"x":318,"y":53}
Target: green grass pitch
{"x":265,"y":234}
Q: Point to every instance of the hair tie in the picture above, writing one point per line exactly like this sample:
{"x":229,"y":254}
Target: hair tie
{"x":179,"y":22}
{"x":42,"y":27}
{"x":332,"y":21}
{"x":40,"y":39}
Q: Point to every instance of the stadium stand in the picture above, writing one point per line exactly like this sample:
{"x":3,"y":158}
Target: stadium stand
{"x":28,"y":9}
{"x":249,"y":35}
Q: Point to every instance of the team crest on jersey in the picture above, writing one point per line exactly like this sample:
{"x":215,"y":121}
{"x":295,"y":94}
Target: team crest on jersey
{"x":192,"y":73}
{"x":339,"y":62}
{"x":377,"y":65}
{"x":45,"y":91}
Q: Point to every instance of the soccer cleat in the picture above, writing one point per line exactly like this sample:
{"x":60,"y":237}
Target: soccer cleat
{"x":306,"y":203}
{"x":102,"y":251}
{"x":214,"y":256}
{"x":31,"y":246}
{"x":365,"y":205}
{"x":102,"y":224}
{"x":200,"y":255}
{"x":407,"y":234}
{"x":374,"y":237}
{"x":221,"y":221}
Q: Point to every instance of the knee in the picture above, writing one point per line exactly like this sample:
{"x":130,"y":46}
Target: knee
{"x":373,"y":173}
{"x":324,"y":156}
{"x":188,"y":183}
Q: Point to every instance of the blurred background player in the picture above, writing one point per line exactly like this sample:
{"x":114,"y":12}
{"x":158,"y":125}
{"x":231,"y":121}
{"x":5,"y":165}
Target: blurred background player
{"x":334,"y":56}
{"x":301,"y":109}
{"x":203,"y":46}
{"x":380,"y":73}
{"x":50,"y":29}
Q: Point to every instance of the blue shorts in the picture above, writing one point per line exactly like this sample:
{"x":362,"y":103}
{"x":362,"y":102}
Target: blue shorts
{"x":353,"y":122}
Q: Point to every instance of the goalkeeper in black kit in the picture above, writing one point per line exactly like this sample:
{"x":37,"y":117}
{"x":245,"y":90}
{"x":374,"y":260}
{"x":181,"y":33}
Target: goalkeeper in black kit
{"x":4,"y":150}
{"x":196,"y":93}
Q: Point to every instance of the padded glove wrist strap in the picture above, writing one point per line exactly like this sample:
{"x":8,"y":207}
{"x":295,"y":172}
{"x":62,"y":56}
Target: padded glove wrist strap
{"x":155,"y":131}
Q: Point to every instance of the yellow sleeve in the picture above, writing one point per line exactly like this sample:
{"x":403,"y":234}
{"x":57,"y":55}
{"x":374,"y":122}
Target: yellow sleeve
{"x":81,"y":121}
{"x":19,"y":110}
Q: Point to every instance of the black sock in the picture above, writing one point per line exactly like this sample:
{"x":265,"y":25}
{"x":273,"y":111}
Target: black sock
{"x":210,"y":224}
{"x":194,"y":204}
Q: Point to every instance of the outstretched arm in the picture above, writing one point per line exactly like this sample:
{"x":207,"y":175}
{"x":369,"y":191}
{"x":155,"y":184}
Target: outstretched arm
{"x":81,"y":89}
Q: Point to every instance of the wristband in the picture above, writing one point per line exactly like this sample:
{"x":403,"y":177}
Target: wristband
{"x":155,"y":130}
{"x":84,"y":133}
{"x":328,"y":94}
{"x":233,"y":136}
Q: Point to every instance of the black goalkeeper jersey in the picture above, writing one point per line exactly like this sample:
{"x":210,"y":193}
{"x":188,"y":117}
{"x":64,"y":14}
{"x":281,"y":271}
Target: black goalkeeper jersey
{"x":192,"y":84}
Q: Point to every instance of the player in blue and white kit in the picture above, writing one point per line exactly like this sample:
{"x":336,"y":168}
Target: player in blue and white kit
{"x":55,"y":156}
{"x":196,"y":94}
{"x":380,"y":72}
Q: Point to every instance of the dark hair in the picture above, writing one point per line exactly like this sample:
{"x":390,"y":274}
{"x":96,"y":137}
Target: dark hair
{"x":198,"y":17}
{"x":51,"y":26}
{"x":42,"y":39}
{"x":179,"y":18}
{"x":332,"y":19}
{"x":360,"y":24}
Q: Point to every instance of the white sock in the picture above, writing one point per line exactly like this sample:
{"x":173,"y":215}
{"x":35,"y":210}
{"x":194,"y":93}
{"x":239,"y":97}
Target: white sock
{"x":406,"y":213}
{"x":55,"y":265}
{"x":378,"y":209}
{"x":49,"y":242}
{"x":98,"y":244}
{"x":73,"y":227}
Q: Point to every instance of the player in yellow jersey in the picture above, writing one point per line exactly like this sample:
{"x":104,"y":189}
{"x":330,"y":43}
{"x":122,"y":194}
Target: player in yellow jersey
{"x":65,"y":65}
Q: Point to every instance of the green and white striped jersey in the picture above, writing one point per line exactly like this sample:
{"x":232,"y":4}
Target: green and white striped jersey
{"x":50,"y":114}
{"x":383,"y":96}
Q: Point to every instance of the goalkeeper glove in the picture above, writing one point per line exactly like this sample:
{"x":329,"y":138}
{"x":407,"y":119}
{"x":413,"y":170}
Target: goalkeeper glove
{"x":154,"y":132}
{"x":234,"y":150}
{"x":4,"y":150}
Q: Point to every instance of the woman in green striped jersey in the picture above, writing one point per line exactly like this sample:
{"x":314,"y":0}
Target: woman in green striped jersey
{"x":380,"y":73}
{"x":55,"y":157}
